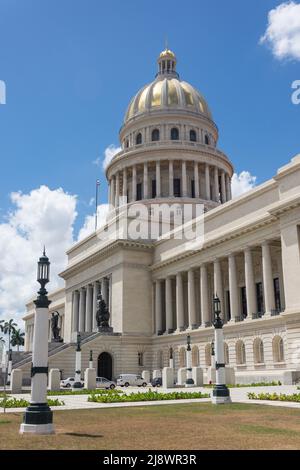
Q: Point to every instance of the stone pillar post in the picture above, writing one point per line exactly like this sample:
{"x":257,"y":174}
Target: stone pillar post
{"x":218,"y":285}
{"x":290,"y":246}
{"x":184,"y":179}
{"x":124,"y":192}
{"x":75,"y":310}
{"x":158,"y":188}
{"x":133,"y":183}
{"x":227,"y":184}
{"x":117,"y":189}
{"x":223,"y":189}
{"x":96,"y":291}
{"x":169,"y":306}
{"x":233,"y":288}
{"x":158,"y":306}
{"x":207,"y":182}
{"x":145,"y":181}
{"x":205,"y":311}
{"x":216,"y":180}
{"x":112,"y":189}
{"x":196,"y":180}
{"x":171,"y":179}
{"x":89,"y":309}
{"x":82,"y":310}
{"x":179,"y":302}
{"x":191,"y":300}
{"x":268,"y":283}
{"x":250,"y":283}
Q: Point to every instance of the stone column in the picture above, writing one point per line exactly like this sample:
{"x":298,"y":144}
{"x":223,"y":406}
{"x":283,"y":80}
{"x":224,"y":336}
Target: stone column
{"x":112,"y":188}
{"x":171,"y":179}
{"x":250,"y":283}
{"x":207,"y":182}
{"x":117,"y":189}
{"x":179,"y":302}
{"x":145,"y":181}
{"x":158,"y":188}
{"x":96,"y":291}
{"x":105,"y":290}
{"x":158,"y":307}
{"x":75,"y":310}
{"x":227,"y":184}
{"x":82,"y":310}
{"x":196,"y":180}
{"x":169,"y":306}
{"x":89,"y":309}
{"x":133,"y":183}
{"x":223,"y":189}
{"x":192,"y":300}
{"x":205,"y":311}
{"x":125,"y":183}
{"x":218,"y":285}
{"x":184,"y":179}
{"x":290,"y":263}
{"x":216,"y":179}
{"x":268,"y":283}
{"x":233,"y":288}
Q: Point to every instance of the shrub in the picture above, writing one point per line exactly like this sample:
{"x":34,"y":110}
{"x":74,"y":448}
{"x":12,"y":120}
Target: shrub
{"x":83,"y":391}
{"x":274,"y":396}
{"x":22,"y":403}
{"x":144,"y":396}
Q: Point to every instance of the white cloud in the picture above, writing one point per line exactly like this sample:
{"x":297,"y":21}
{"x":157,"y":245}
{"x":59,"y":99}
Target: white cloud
{"x":109,"y":154}
{"x":241,"y":183}
{"x":283,"y":31}
{"x":89,"y":223}
{"x":97,"y":161}
{"x":40,"y":217}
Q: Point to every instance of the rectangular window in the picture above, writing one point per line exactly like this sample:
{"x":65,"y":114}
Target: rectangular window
{"x":177,"y":188}
{"x":139,"y":191}
{"x":193,"y":188}
{"x":277,"y":294}
{"x":140,"y":359}
{"x":260,"y":298}
{"x":244,"y":301}
{"x":153,"y":188}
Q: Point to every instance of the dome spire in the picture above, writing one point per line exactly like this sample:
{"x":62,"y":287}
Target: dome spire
{"x":167,"y":62}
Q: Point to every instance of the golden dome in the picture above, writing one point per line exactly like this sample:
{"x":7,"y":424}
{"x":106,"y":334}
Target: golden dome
{"x":166,"y":53}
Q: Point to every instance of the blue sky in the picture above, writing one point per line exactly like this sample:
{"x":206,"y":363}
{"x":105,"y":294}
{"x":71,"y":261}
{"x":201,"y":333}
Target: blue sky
{"x":71,"y":67}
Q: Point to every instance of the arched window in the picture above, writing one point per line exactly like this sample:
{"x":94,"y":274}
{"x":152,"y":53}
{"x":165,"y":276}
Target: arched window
{"x":206,"y":139}
{"x":174,"y":133}
{"x":127,"y":143}
{"x":208,"y":355}
{"x":195,"y":356}
{"x":193,"y":135}
{"x":155,"y":135}
{"x":240,"y":352}
{"x":138,"y":139}
{"x":182,"y":358}
{"x":258,"y":351}
{"x":226,"y":353}
{"x":278,"y":349}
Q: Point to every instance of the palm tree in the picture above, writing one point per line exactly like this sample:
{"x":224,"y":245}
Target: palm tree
{"x":17,"y":338}
{"x":8,"y":328}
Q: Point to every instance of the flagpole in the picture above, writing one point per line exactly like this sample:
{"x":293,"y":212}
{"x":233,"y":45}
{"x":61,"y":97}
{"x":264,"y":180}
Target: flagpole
{"x":96,"y":202}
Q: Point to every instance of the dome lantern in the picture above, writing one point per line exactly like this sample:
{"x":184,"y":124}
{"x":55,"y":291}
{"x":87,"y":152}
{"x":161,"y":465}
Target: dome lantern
{"x":167,"y":63}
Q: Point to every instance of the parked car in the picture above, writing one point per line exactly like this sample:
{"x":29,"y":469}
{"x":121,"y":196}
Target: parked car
{"x":102,"y":382}
{"x":69,"y":382}
{"x":157,"y":382}
{"x":124,"y":380}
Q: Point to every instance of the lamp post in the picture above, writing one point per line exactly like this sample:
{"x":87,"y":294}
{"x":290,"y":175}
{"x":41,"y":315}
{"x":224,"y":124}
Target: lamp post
{"x":220,"y":393}
{"x":77,"y":382}
{"x":189,"y":380}
{"x":91,"y":360}
{"x":9,"y":369}
{"x":38,"y":417}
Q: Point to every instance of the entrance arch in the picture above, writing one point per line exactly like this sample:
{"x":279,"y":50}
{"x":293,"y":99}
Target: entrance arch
{"x":105,"y":365}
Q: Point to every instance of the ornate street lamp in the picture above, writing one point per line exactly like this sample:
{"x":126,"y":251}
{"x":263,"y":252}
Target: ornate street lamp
{"x":189,"y":379}
{"x":77,"y":382}
{"x":220,"y":393}
{"x":38,"y":417}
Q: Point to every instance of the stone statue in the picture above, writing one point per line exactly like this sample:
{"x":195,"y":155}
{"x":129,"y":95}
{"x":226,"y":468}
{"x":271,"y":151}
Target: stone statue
{"x":55,"y":328}
{"x":102,"y":315}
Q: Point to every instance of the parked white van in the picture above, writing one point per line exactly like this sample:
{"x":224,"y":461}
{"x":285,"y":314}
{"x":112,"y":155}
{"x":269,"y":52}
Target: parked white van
{"x":124,"y":380}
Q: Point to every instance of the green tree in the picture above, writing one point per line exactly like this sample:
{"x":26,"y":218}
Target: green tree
{"x":17,"y":338}
{"x":8,"y":327}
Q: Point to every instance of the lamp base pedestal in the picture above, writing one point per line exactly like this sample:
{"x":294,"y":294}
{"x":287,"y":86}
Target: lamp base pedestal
{"x":220,"y":395}
{"x":37,"y":419}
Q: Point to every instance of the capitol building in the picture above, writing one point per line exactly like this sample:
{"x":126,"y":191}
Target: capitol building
{"x":160,"y":289}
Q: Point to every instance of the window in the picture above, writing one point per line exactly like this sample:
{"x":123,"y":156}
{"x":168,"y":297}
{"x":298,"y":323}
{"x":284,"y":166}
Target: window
{"x":278,"y":349}
{"x":208,"y":355}
{"x":155,"y":135}
{"x":258,"y":351}
{"x":226,"y":353}
{"x":277,"y":294}
{"x":176,"y":187}
{"x":240,"y":352}
{"x":244,"y":302}
{"x":153,"y":189}
{"x":195,"y":356}
{"x":206,"y":140}
{"x":138,"y":139}
{"x":127,"y":143}
{"x":174,"y":133}
{"x":260,"y":298}
{"x":139,"y":191}
{"x":141,"y":359}
{"x":193,"y":136}
{"x":182,"y":359}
